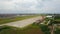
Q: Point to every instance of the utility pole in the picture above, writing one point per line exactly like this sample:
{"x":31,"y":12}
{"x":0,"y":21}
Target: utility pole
{"x":52,"y":26}
{"x":52,"y":29}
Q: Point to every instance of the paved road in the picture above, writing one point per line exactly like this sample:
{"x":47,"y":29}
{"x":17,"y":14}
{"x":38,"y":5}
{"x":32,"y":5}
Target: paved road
{"x":23,"y":23}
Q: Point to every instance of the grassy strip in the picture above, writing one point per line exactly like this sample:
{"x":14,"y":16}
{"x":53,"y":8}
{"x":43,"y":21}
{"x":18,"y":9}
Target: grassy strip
{"x":31,"y":29}
{"x":57,"y":19}
{"x":7,"y":20}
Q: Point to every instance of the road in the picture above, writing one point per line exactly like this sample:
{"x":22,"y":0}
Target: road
{"x":23,"y":23}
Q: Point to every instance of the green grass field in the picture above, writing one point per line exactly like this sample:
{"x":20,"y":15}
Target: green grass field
{"x":7,"y":20}
{"x":31,"y":29}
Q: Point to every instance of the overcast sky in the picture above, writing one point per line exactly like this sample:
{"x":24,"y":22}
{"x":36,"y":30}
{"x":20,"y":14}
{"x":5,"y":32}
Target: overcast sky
{"x":29,"y":6}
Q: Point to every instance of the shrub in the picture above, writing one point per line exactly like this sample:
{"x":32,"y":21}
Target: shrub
{"x":45,"y":29}
{"x":57,"y":31}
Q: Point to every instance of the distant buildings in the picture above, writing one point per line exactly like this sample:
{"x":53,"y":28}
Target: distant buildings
{"x":7,"y":15}
{"x":49,"y":16}
{"x":13,"y":15}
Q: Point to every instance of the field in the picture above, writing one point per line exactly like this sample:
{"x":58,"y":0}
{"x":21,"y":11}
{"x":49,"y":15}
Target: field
{"x":7,"y":20}
{"x":33,"y":28}
{"x":30,"y":29}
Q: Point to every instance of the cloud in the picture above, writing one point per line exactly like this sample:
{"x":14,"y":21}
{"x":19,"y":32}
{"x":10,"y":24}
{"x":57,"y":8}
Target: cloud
{"x":5,"y":0}
{"x":6,"y":4}
{"x":37,"y":6}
